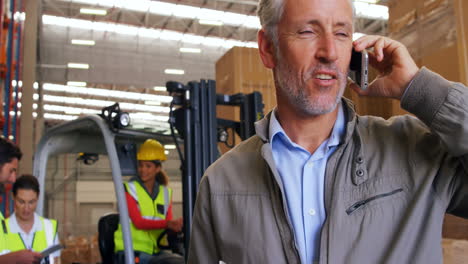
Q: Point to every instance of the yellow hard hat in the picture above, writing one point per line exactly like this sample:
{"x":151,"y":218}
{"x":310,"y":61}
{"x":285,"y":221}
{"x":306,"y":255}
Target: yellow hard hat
{"x":151,"y":150}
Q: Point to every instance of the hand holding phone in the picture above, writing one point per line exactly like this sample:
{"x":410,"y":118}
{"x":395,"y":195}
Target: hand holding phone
{"x":359,"y":68}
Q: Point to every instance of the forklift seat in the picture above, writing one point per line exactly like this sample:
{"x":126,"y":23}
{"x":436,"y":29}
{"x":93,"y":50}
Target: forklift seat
{"x":107,"y":225}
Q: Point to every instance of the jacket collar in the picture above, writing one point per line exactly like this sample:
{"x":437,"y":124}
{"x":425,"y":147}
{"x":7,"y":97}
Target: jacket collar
{"x":262,"y":127}
{"x":359,"y":168}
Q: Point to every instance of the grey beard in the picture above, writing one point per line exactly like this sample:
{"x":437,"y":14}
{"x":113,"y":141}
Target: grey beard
{"x":295,"y":90}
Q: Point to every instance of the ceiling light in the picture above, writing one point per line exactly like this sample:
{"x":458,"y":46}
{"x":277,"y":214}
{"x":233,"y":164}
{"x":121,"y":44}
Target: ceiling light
{"x":357,"y":35}
{"x":78,"y":84}
{"x":166,"y":152}
{"x":36,"y":85}
{"x":83,"y":42}
{"x":143,"y":32}
{"x":103,"y":103}
{"x":371,"y":11}
{"x":152,"y":103}
{"x":210,"y":22}
{"x":174,"y":71}
{"x":60,"y":117}
{"x":190,"y":50}
{"x":93,"y":11}
{"x":367,"y":1}
{"x":73,"y":65}
{"x":169,"y":146}
{"x":160,"y":88}
{"x":105,"y":93}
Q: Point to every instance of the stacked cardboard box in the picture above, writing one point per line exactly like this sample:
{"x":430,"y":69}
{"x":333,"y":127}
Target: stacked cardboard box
{"x":436,"y":34}
{"x":241,"y":70}
{"x":81,"y":250}
{"x":455,"y":251}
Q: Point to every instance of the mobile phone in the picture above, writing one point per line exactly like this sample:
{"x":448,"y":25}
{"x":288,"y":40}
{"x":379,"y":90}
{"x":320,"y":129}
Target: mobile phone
{"x":359,"y":68}
{"x":46,"y":252}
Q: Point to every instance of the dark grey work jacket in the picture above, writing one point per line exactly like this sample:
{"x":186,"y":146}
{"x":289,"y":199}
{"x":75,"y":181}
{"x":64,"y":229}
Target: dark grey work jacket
{"x":387,"y":188}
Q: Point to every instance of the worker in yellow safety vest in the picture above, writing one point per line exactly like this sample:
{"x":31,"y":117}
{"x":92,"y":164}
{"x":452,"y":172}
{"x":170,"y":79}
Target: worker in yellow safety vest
{"x":149,"y":203}
{"x":25,"y":228}
{"x":10,"y":154}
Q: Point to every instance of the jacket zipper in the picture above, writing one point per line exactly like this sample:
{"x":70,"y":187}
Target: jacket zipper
{"x":360,"y":204}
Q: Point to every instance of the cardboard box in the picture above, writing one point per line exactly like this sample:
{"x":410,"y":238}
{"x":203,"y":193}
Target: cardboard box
{"x":437,"y":39}
{"x":80,"y":250}
{"x":455,"y":251}
{"x":241,"y":70}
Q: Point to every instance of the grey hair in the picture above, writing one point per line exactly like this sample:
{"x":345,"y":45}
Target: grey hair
{"x":270,"y":13}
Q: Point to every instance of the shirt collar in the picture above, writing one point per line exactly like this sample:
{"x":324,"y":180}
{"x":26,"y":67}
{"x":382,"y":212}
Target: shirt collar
{"x":153,"y":192}
{"x":15,"y":228}
{"x":334,"y":139}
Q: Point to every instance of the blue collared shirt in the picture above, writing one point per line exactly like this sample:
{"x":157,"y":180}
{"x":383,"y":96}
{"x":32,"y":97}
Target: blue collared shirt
{"x":302,"y":177}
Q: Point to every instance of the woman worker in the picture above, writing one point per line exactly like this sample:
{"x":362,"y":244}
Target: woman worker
{"x":149,"y":202}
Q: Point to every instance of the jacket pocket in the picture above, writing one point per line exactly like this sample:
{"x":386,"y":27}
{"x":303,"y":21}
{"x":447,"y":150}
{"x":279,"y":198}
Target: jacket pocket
{"x":362,"y":203}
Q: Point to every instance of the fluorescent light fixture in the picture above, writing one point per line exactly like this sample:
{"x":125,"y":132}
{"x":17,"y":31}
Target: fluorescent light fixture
{"x":75,"y":65}
{"x":174,"y":71}
{"x":150,"y":117}
{"x":160,"y":119}
{"x":35,"y":106}
{"x":152,"y":103}
{"x":169,"y":147}
{"x":59,"y":117}
{"x":166,"y":152}
{"x":83,"y":42}
{"x":178,"y":10}
{"x":19,"y":16}
{"x":357,"y":35}
{"x":190,"y":50}
{"x":13,"y":83}
{"x":367,"y":1}
{"x":145,"y":32}
{"x":105,"y":93}
{"x":210,"y":22}
{"x":70,"y":110}
{"x":103,"y":103}
{"x":77,"y":84}
{"x":36,"y":85}
{"x":160,"y":88}
{"x":371,"y":11}
{"x":93,"y":11}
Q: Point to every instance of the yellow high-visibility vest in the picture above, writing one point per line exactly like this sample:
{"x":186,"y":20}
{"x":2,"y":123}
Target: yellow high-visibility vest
{"x":145,"y":240}
{"x":43,"y":238}
{"x":3,"y":232}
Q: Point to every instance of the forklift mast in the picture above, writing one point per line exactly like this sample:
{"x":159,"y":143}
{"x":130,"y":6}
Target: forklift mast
{"x":196,"y":123}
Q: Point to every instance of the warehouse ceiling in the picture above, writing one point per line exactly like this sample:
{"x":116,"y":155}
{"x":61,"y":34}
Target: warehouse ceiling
{"x":135,"y":43}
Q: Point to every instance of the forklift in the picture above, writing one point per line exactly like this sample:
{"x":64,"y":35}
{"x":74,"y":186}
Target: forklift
{"x":195,"y":130}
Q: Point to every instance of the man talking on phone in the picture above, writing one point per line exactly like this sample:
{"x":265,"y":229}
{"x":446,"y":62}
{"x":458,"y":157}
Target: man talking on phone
{"x":319,"y":183}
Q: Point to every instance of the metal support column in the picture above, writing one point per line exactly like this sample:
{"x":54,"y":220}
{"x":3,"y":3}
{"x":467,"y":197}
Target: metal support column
{"x":7,"y":94}
{"x":29,"y":77}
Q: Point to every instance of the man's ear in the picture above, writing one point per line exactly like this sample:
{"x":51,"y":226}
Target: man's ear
{"x":267,"y":50}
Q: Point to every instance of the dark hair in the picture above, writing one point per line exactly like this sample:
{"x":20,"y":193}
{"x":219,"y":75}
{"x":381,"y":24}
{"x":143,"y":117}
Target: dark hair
{"x":8,"y":151}
{"x":26,"y":182}
{"x":161,"y":177}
